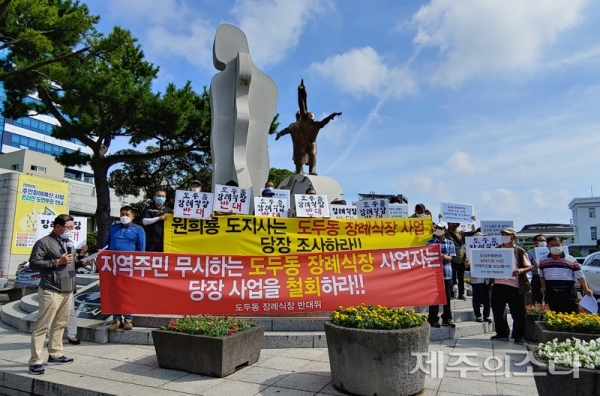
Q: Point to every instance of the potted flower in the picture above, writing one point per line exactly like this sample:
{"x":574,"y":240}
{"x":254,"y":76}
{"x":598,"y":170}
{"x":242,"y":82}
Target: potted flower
{"x":566,"y":368}
{"x":208,"y":345}
{"x":535,"y":313}
{"x":17,"y":293}
{"x":562,"y":326}
{"x":374,"y":350}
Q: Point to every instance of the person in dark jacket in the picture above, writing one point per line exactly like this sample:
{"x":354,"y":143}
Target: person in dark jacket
{"x":153,"y":218}
{"x":53,"y":256}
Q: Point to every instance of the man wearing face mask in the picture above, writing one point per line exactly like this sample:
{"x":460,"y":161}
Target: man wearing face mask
{"x":195,"y":186}
{"x":507,"y":291}
{"x":419,"y":211}
{"x":153,"y":217}
{"x":536,"y":295}
{"x":447,"y":253}
{"x":558,"y":273}
{"x":128,"y":237}
{"x":53,"y":256}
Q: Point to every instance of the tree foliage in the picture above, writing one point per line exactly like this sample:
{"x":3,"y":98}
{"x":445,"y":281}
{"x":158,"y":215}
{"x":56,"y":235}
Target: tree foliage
{"x":277,"y":175}
{"x":39,"y":33}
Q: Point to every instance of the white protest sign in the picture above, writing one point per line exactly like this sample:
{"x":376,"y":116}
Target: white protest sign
{"x":398,"y":211}
{"x":342,"y":211}
{"x":464,"y":227}
{"x":282,"y":194}
{"x":492,"y":263}
{"x":311,"y":205}
{"x":543,"y":252}
{"x":373,"y":208}
{"x":45,"y":224}
{"x":193,"y":205}
{"x":494,"y":227}
{"x":270,"y":207}
{"x":231,"y":199}
{"x":456,"y":213}
{"x":481,"y":242}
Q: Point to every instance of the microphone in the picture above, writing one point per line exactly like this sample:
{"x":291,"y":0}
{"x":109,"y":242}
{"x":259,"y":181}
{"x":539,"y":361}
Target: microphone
{"x":70,"y":247}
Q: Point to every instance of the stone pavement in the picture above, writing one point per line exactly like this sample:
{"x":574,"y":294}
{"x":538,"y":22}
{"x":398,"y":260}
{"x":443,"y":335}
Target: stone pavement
{"x":113,"y":369}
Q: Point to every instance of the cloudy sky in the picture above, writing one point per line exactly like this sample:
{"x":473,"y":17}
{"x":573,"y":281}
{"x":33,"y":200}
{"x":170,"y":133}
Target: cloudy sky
{"x":489,"y":102}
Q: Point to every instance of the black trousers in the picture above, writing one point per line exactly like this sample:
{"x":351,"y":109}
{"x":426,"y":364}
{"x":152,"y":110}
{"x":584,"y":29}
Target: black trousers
{"x":562,"y":299}
{"x":481,"y":295}
{"x":154,"y":246}
{"x":502,"y":295}
{"x":435,"y":309}
{"x":536,"y":293}
{"x":458,"y":277}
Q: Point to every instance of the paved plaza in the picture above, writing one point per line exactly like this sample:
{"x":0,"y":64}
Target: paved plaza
{"x":118,"y":369}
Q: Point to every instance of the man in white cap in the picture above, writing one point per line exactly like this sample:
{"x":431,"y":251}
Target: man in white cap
{"x":447,"y":253}
{"x":507,"y":291}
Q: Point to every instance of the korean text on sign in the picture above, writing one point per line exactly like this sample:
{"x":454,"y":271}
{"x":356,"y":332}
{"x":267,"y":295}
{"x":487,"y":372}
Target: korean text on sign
{"x":494,"y":227}
{"x":232,"y":199}
{"x":270,"y":207}
{"x":311,"y":205}
{"x":343,"y":211}
{"x":193,"y":205}
{"x":372,"y":208}
{"x":456,"y":213}
{"x":492,"y":263}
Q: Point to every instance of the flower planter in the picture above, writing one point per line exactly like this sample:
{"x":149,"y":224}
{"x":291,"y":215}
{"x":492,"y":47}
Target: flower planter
{"x":213,"y":356}
{"x":544,"y":334}
{"x":561,"y":381}
{"x":377,"y":362}
{"x":18,"y":293}
{"x":530,"y":329}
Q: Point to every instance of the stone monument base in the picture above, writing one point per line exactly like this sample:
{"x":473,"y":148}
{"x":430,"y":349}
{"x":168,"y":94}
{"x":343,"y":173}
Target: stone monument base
{"x":323,"y":185}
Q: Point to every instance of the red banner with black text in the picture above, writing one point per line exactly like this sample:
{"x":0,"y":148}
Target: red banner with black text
{"x":177,"y":283}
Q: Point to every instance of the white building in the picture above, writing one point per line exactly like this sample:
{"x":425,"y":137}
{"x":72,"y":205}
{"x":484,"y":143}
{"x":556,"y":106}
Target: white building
{"x":585,"y":222}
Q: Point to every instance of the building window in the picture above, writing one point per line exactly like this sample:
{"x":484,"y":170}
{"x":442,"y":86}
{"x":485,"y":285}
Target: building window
{"x":592,"y":213}
{"x":14,"y":167}
{"x":594,"y":232}
{"x":38,"y":168}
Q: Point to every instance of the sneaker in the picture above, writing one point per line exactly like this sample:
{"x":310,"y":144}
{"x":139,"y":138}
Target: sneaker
{"x":59,"y":360}
{"x":520,"y":341}
{"x":448,"y":323}
{"x":479,"y":319}
{"x":487,"y":320}
{"x":499,"y":338}
{"x":435,"y":325}
{"x":127,"y":325}
{"x":114,"y":325}
{"x":462,"y":298}
{"x":37,"y":369}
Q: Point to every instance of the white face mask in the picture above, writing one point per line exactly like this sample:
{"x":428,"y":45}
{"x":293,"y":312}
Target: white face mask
{"x":556,"y":250}
{"x":67,"y":234}
{"x":125,"y":220}
{"x":196,"y":189}
{"x":421,"y":215}
{"x":541,"y":244}
{"x":506,"y":238}
{"x":439,"y":232}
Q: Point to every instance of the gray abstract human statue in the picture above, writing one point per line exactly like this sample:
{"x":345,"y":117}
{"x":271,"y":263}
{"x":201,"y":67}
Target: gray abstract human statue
{"x":243,"y":103}
{"x":304,"y":134}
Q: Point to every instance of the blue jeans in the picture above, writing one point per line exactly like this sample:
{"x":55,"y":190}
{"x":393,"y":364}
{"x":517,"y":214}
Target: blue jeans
{"x":125,"y":316}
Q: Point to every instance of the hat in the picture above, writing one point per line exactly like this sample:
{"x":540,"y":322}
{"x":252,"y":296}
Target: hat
{"x":267,"y":191}
{"x":442,"y":224}
{"x":195,"y":182}
{"x":509,"y":230}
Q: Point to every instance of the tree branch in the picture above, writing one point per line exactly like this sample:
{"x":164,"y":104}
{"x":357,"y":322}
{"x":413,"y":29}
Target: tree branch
{"x":115,"y":159}
{"x":4,"y":7}
{"x":44,"y":63}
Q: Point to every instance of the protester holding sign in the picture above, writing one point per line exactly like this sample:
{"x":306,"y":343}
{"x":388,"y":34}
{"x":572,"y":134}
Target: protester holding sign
{"x":558,"y":273}
{"x":195,"y":186}
{"x":447,"y":254}
{"x":458,"y":262}
{"x":536,"y":294}
{"x":511,"y":291}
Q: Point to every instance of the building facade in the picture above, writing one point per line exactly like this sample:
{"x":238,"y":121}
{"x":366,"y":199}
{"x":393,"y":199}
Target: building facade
{"x":563,"y":231}
{"x":586,"y":223}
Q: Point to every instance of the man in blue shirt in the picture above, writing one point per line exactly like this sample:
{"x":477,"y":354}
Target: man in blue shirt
{"x":447,"y":253}
{"x":128,"y":237}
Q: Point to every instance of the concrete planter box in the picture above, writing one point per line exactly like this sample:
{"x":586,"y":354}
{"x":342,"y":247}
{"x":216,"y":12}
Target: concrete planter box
{"x":377,"y":362}
{"x":531,"y":329}
{"x":562,"y":381}
{"x":213,"y":356}
{"x":545,"y":335}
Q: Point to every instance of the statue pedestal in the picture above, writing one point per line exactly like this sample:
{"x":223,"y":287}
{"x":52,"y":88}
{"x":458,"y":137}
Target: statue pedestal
{"x":323,"y":185}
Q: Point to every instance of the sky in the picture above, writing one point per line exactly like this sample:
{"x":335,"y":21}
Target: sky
{"x":486,"y":102}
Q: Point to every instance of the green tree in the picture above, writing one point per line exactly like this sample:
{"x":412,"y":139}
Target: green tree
{"x":277,"y":175}
{"x":40,"y":33}
{"x":99,"y":98}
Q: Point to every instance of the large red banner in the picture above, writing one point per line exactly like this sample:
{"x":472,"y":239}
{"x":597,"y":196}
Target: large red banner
{"x":176,"y":283}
